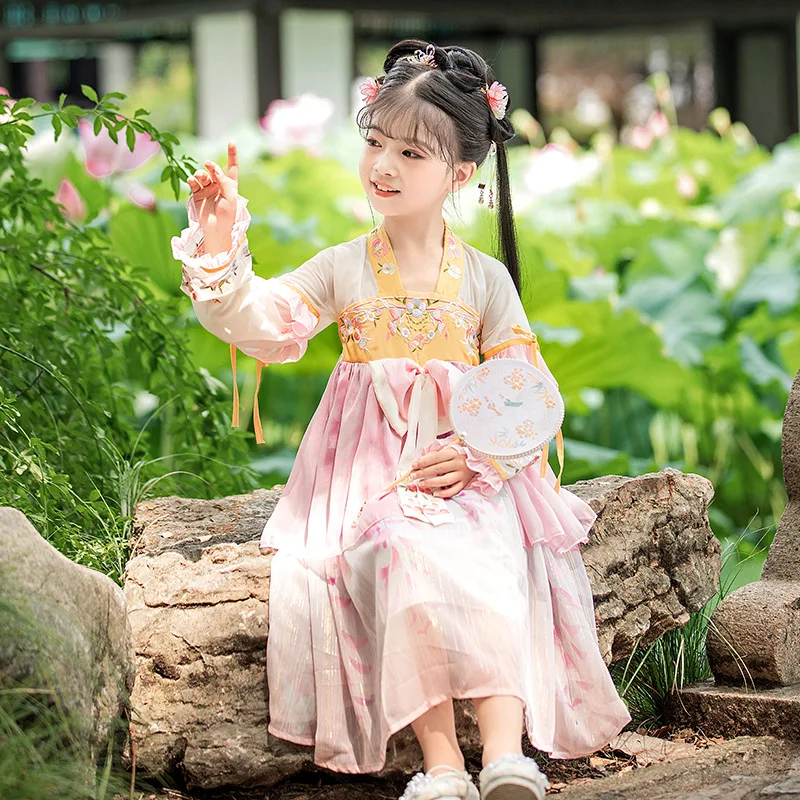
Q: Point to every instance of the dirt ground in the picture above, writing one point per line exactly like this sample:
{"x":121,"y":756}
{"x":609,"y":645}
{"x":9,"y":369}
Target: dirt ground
{"x":745,"y":768}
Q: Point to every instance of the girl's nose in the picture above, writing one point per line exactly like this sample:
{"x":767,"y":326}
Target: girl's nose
{"x":385,"y":164}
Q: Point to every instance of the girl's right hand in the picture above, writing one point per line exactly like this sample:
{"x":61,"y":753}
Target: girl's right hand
{"x":216,"y":196}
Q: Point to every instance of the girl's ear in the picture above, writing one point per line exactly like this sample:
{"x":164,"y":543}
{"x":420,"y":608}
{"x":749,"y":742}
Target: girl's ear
{"x":463,"y":173}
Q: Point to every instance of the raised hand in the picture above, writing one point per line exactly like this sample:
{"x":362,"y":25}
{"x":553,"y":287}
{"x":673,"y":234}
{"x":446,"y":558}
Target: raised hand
{"x":216,"y":195}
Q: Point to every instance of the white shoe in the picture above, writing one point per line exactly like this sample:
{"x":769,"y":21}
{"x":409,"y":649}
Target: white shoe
{"x":513,"y":777}
{"x":450,"y":785}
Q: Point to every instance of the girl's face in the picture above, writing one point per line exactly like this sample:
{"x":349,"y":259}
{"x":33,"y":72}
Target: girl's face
{"x":402,"y":178}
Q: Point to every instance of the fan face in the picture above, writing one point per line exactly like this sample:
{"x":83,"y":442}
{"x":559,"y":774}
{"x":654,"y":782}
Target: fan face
{"x":506,"y":408}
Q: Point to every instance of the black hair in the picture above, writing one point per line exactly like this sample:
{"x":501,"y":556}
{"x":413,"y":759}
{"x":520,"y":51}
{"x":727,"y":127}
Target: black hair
{"x":445,"y":109}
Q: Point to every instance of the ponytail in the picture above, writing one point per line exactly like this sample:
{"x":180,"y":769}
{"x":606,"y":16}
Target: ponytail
{"x":506,"y":229}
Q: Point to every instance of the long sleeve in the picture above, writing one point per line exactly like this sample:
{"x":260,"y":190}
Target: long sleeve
{"x":506,"y":333}
{"x":269,"y":319}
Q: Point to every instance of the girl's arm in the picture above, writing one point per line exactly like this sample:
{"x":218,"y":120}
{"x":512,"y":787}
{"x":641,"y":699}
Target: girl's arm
{"x":270,"y":319}
{"x":505,"y":333}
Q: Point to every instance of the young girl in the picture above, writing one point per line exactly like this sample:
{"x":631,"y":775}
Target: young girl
{"x":386,"y":605}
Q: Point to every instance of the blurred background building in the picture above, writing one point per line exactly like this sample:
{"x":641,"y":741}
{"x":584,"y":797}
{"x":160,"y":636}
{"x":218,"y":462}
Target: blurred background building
{"x":204,"y":67}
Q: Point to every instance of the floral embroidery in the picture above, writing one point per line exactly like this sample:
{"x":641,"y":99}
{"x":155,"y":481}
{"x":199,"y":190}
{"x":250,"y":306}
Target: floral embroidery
{"x":453,"y":271}
{"x":516,"y":380}
{"x":351,"y":329}
{"x":417,"y":321}
{"x":196,"y":283}
{"x":380,"y":247}
{"x":471,"y":407}
{"x":387,"y":269}
{"x":526,"y":428}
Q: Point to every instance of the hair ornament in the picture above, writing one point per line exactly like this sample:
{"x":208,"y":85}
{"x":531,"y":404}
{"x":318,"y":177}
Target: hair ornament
{"x":497,"y":95}
{"x":426,"y":56}
{"x":369,"y":89}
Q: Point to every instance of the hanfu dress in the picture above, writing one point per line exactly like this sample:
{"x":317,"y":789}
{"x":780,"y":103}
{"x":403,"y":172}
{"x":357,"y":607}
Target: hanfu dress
{"x":383,"y":604}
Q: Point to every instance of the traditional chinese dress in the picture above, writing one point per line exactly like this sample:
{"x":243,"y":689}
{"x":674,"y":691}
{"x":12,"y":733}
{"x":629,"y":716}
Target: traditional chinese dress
{"x":383,"y":605}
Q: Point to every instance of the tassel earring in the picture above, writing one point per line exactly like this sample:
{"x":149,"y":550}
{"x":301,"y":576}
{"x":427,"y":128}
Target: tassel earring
{"x":481,"y":187}
{"x":491,"y":198}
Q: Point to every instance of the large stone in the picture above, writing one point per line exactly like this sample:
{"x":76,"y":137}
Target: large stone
{"x":198,"y":599}
{"x":64,"y":627}
{"x":652,"y":557}
{"x":755,"y":637}
{"x":720,"y":710}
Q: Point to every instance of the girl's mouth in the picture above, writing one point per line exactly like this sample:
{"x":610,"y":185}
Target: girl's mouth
{"x":384,"y":192}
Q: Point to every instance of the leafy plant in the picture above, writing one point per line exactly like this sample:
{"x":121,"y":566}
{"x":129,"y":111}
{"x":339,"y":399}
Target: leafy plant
{"x":83,"y":336}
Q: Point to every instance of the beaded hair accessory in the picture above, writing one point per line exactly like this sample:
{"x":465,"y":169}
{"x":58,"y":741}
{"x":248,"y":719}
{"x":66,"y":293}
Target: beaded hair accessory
{"x":426,"y":56}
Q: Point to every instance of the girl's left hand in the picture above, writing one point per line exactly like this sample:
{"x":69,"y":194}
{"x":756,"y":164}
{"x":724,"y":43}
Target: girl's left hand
{"x":443,"y":471}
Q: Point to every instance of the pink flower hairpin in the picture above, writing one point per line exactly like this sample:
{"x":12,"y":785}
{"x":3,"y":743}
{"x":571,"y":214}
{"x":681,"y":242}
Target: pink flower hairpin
{"x":369,"y":89}
{"x":497,"y":95}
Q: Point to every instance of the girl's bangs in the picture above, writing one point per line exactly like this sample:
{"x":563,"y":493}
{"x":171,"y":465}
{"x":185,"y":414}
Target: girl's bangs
{"x":401,"y":115}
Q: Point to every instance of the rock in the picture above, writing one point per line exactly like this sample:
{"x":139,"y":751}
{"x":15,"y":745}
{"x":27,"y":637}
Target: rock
{"x":652,"y":557}
{"x":721,"y":710}
{"x":198,"y":600}
{"x":63,"y":626}
{"x":754,"y":636}
{"x":755,"y":633}
{"x":650,"y":749}
{"x":740,"y":769}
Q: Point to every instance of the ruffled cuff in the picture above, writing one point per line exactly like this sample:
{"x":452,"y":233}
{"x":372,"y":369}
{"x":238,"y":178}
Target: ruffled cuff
{"x":207,"y":277}
{"x":488,"y":480}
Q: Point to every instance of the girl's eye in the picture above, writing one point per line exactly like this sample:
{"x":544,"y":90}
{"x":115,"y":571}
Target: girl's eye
{"x":372,"y":142}
{"x":411,"y":153}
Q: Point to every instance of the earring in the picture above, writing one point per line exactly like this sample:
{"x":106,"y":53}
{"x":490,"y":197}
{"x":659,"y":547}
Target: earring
{"x":491,"y":198}
{"x":481,"y":187}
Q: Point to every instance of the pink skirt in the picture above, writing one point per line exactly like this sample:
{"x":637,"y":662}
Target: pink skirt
{"x":376,"y":617}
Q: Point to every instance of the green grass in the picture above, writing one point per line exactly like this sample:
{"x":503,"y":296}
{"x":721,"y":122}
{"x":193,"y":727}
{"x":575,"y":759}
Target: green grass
{"x":651,"y":675}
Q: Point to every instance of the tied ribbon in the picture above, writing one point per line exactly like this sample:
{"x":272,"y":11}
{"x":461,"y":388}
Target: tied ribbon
{"x":530,"y":338}
{"x":235,"y":413}
{"x":414,"y":400}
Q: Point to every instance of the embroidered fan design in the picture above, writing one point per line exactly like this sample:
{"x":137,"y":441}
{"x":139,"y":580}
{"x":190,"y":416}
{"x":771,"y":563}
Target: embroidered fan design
{"x":526,"y":428}
{"x":471,"y":407}
{"x":516,"y":380}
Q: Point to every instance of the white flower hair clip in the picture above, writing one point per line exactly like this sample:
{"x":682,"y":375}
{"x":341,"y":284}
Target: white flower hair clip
{"x":497,"y":95}
{"x":426,"y":56}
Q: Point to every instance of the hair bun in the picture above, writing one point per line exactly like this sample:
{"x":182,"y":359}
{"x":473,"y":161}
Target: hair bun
{"x":502,"y":129}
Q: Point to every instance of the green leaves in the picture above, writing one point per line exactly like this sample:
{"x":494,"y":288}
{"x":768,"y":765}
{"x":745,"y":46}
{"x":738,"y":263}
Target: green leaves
{"x":85,"y":336}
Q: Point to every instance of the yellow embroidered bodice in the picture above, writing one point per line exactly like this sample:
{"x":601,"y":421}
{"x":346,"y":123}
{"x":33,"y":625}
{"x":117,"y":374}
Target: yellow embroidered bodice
{"x":396,"y":324}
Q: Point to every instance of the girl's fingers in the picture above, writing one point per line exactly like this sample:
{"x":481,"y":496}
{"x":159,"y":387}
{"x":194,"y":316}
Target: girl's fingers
{"x":227,"y":185}
{"x":233,"y":162}
{"x":448,"y":479}
{"x":450,"y":491}
{"x":440,"y":468}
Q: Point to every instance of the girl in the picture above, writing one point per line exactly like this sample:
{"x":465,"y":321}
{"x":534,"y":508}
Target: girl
{"x":465,"y":580}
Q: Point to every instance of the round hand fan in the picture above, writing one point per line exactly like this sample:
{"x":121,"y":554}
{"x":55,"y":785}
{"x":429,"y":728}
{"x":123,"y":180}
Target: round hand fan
{"x":506,"y":408}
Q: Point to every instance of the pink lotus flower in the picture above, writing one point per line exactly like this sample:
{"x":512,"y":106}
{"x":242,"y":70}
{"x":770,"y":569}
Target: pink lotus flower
{"x":640,"y":137}
{"x":104,"y":158}
{"x":297,"y":123}
{"x":141,"y":196}
{"x":72,"y":205}
{"x":497,"y":96}
{"x":369,"y":89}
{"x":6,"y":102}
{"x":687,"y":186}
{"x":658,"y":124}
